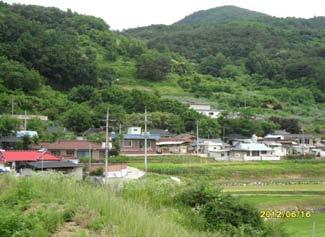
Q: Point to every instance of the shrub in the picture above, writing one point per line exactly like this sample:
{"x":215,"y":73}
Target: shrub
{"x":98,"y":172}
{"x":222,"y":212}
{"x":118,"y":159}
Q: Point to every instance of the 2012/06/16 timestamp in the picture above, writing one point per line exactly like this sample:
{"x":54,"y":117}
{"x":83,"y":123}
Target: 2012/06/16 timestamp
{"x":285,"y":214}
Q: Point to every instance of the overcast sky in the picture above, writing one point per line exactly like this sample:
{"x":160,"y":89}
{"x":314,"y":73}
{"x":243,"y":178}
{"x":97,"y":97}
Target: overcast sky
{"x":123,"y":14}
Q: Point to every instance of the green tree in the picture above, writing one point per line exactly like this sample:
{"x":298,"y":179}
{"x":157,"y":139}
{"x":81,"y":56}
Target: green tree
{"x":154,"y":66}
{"x":8,"y":125}
{"x":81,"y":93}
{"x":213,"y":65}
{"x":15,"y":76}
{"x":78,"y":118}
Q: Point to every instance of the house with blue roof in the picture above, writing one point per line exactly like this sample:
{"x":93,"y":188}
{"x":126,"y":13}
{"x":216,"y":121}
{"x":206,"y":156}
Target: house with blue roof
{"x":248,"y":150}
{"x":133,"y":142}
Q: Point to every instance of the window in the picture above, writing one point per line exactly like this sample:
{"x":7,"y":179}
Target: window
{"x":255,"y":153}
{"x":248,"y":153}
{"x":211,"y":113}
{"x":55,"y":152}
{"x":70,"y":152}
{"x":83,"y":153}
{"x":142,"y":144}
{"x":127,"y":143}
{"x":263,"y":152}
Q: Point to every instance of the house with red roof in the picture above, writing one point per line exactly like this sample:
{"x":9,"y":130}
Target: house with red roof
{"x":17,"y":158}
{"x":27,"y":162}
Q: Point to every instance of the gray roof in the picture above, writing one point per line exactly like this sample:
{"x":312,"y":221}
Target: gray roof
{"x":53,"y":164}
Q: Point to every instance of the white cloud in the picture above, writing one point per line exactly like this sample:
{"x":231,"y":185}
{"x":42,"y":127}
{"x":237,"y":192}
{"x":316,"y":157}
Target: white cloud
{"x":121,"y":14}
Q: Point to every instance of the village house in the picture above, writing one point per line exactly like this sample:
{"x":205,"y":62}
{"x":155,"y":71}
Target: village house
{"x":206,"y":110}
{"x":253,"y":151}
{"x":293,"y":143}
{"x":75,"y":149}
{"x":300,"y":138}
{"x":278,"y":148}
{"x":66,"y":167}
{"x":17,"y":159}
{"x":174,"y":145}
{"x":133,"y":142}
{"x":246,"y":150}
{"x":208,"y":145}
{"x":161,"y":133}
{"x":28,"y":162}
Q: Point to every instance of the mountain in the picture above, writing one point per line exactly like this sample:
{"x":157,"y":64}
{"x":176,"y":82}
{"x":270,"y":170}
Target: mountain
{"x":71,"y":67}
{"x":285,"y":52}
{"x":222,"y":14}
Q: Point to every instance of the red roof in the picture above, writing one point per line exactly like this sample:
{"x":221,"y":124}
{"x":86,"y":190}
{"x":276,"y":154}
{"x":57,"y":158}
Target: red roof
{"x":72,"y":145}
{"x":10,"y":156}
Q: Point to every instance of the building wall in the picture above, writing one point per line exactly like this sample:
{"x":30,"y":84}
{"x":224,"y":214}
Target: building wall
{"x":242,"y":156}
{"x":137,"y":145}
{"x":95,"y":154}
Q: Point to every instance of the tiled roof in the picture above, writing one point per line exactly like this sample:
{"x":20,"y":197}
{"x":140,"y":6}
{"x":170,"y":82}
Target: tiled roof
{"x":9,"y":156}
{"x":71,"y":145}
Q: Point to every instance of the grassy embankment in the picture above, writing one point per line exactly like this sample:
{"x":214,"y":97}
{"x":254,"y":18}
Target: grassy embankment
{"x":61,"y":207}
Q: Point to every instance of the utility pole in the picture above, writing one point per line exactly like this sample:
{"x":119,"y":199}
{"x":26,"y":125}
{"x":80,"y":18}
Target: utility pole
{"x":25,"y":120}
{"x":12,"y":106}
{"x":223,"y":133}
{"x":90,"y":156}
{"x":145,"y":140}
{"x":106,"y":143}
{"x":197,"y":136}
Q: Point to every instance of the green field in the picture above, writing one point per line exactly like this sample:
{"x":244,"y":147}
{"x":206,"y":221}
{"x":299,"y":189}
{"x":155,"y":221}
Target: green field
{"x":285,"y":185}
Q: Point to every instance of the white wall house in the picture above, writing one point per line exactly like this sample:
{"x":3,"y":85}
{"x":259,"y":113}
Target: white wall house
{"x":246,"y":152}
{"x":209,"y":145}
{"x":206,"y":110}
{"x":278,"y":148}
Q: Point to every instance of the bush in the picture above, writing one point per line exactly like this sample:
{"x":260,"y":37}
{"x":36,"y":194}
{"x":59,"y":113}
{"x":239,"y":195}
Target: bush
{"x":222,"y":212}
{"x":98,"y":172}
{"x":118,"y":159}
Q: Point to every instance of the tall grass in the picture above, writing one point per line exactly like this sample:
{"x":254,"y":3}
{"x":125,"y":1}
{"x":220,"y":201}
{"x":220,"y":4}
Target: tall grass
{"x":97,"y":206}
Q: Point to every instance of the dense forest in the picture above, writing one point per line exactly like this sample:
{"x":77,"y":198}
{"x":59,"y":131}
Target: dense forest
{"x":264,"y":75}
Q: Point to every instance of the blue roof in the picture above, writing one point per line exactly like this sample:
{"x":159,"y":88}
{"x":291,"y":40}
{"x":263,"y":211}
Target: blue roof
{"x":138,"y":136}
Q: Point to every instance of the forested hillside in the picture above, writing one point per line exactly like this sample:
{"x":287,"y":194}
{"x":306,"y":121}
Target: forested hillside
{"x":275,"y":52}
{"x":266,"y":62}
{"x":71,"y":67}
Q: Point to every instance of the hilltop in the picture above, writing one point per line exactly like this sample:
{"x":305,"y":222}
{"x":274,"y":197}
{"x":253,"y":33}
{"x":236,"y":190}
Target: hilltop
{"x":222,"y":14}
